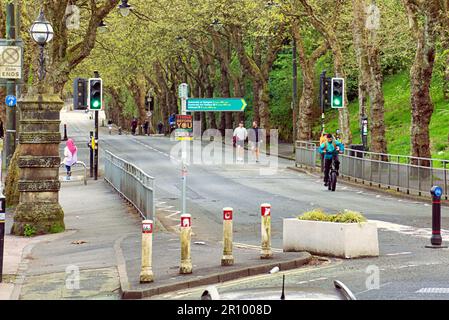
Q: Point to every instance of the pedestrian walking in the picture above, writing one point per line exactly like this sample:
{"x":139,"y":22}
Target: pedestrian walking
{"x":160,"y":127}
{"x":240,"y":134}
{"x":110,"y":126}
{"x":255,"y":139}
{"x":70,"y":157}
{"x":146,"y":125}
{"x":133,"y":126}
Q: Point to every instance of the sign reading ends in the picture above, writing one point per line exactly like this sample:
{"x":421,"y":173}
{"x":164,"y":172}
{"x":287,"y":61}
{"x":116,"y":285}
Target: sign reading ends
{"x":10,"y":62}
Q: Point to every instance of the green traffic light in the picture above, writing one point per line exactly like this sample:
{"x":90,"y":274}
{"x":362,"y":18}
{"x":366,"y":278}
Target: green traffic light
{"x":337,"y":101}
{"x":96,"y":104}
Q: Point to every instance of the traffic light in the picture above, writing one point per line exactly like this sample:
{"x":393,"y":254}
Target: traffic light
{"x":80,"y":94}
{"x":95,"y":97}
{"x":325,"y":92}
{"x":337,"y":93}
{"x":151,"y":103}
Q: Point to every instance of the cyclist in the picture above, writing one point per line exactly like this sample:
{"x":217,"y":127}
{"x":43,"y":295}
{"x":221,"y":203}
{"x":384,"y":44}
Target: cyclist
{"x":331,"y":148}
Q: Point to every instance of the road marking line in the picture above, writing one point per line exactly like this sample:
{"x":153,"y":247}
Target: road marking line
{"x":398,"y":254}
{"x":382,"y":285}
{"x":433,"y":290}
{"x":250,"y":246}
{"x":410,"y":231}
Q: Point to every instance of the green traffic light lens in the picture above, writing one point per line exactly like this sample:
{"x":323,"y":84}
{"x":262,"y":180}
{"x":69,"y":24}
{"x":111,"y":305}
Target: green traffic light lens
{"x":96,"y":104}
{"x":337,"y":102}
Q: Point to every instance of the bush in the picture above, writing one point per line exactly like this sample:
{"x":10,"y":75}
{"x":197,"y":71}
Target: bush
{"x":314,"y":215}
{"x":346,"y":216}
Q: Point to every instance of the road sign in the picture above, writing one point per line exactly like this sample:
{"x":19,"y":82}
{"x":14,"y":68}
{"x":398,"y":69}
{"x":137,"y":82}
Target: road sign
{"x":184,"y":127}
{"x":10,"y":62}
{"x":183,"y":91}
{"x":216,"y":104}
{"x":11,"y":101}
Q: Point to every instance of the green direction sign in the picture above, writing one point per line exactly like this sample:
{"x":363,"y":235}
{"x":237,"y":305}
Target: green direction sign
{"x":216,"y":104}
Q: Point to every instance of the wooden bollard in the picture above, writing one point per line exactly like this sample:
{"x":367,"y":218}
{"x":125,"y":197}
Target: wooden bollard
{"x":265,"y":210}
{"x":146,"y":273}
{"x":227,"y":259}
{"x":186,"y":234}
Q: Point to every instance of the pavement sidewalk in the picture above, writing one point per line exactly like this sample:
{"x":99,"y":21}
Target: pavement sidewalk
{"x":98,"y":256}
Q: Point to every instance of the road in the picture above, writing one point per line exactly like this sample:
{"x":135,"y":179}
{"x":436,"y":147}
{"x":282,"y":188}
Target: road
{"x":405,"y":266}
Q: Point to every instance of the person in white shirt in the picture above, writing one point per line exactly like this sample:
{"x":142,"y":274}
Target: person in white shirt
{"x":70,"y":156}
{"x":240,"y":134}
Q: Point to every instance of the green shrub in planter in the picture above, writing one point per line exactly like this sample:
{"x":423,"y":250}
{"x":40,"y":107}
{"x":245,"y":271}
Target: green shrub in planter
{"x":314,"y":215}
{"x":346,"y":216}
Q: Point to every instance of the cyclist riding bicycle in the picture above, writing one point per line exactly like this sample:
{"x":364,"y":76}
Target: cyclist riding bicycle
{"x":331,"y":148}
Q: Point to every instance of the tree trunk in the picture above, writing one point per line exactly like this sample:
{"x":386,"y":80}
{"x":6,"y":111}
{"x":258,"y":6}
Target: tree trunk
{"x":421,"y":76}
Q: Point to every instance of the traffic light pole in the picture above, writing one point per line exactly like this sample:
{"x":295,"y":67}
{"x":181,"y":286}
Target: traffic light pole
{"x":96,"y":147}
{"x":91,"y":155}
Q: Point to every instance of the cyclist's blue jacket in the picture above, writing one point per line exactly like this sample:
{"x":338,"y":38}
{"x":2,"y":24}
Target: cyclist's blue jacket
{"x":330,"y":149}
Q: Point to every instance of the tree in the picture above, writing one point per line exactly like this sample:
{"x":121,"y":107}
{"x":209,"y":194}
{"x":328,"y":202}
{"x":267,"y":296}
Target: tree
{"x":370,"y":76}
{"x":328,"y":32}
{"x":423,"y":20}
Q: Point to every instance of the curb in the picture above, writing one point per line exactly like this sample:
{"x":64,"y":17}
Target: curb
{"x":383,"y":190}
{"x":217,"y":278}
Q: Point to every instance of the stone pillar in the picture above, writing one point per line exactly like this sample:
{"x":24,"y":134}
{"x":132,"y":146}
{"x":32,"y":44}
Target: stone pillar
{"x":39,"y":161}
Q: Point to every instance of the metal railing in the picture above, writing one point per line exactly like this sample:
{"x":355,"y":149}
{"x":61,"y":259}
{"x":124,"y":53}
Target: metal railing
{"x":404,"y":173}
{"x":79,"y":163}
{"x":132,"y":183}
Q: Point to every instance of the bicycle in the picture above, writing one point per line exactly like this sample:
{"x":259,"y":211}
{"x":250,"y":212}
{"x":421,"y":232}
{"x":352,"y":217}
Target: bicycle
{"x":333,"y":174}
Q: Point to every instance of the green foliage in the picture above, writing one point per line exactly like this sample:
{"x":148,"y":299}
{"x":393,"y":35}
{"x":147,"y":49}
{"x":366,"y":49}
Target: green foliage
{"x":29,"y":230}
{"x":314,"y":215}
{"x":396,"y":90}
{"x":346,"y":216}
{"x":57,"y":228}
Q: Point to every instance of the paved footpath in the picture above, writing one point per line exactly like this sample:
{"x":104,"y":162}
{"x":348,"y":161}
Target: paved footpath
{"x":98,"y":256}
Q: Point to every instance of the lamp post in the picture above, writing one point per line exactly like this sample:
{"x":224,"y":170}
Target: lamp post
{"x":41,"y":32}
{"x":38,"y":158}
{"x":124,"y":8}
{"x":102,"y":27}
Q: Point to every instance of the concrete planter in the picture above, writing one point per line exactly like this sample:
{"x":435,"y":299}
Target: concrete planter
{"x":346,"y":240}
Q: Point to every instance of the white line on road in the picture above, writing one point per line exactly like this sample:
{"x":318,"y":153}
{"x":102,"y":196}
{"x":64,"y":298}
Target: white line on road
{"x":398,"y":253}
{"x":382,"y":285}
{"x":408,"y":230}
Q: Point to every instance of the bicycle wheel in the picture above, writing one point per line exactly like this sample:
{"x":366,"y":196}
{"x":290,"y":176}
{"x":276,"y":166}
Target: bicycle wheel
{"x":334,"y":180}
{"x":329,"y":182}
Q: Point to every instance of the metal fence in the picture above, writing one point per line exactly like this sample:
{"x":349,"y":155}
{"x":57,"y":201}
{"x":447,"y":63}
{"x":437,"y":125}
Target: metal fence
{"x":132,"y":183}
{"x":403,"y":173}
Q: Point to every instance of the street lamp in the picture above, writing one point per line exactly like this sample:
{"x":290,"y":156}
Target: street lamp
{"x":102,"y":27}
{"x":41,"y":32}
{"x":216,"y":24}
{"x":125,"y":8}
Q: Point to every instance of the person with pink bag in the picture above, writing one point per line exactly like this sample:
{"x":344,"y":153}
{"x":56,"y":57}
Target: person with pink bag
{"x":70,"y":156}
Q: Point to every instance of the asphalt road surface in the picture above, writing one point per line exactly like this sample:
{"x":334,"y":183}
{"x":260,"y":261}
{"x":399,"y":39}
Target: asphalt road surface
{"x":405,"y":269}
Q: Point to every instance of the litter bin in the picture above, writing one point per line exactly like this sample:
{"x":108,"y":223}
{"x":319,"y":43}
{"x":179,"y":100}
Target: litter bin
{"x":358,"y":147}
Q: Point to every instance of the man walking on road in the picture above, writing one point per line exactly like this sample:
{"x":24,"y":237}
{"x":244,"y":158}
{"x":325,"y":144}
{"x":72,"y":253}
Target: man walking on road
{"x":240,"y":134}
{"x":255,"y":140}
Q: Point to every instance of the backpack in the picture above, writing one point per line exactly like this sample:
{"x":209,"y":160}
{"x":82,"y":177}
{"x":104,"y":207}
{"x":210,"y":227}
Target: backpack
{"x":334,"y":144}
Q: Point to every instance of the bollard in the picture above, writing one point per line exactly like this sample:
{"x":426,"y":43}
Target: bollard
{"x":186,"y":233}
{"x":65,"y":133}
{"x":436,"y":240}
{"x":91,"y":155}
{"x":119,"y":131}
{"x":2,"y":231}
{"x":265,"y":210}
{"x":227,"y":259}
{"x":146,"y":273}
